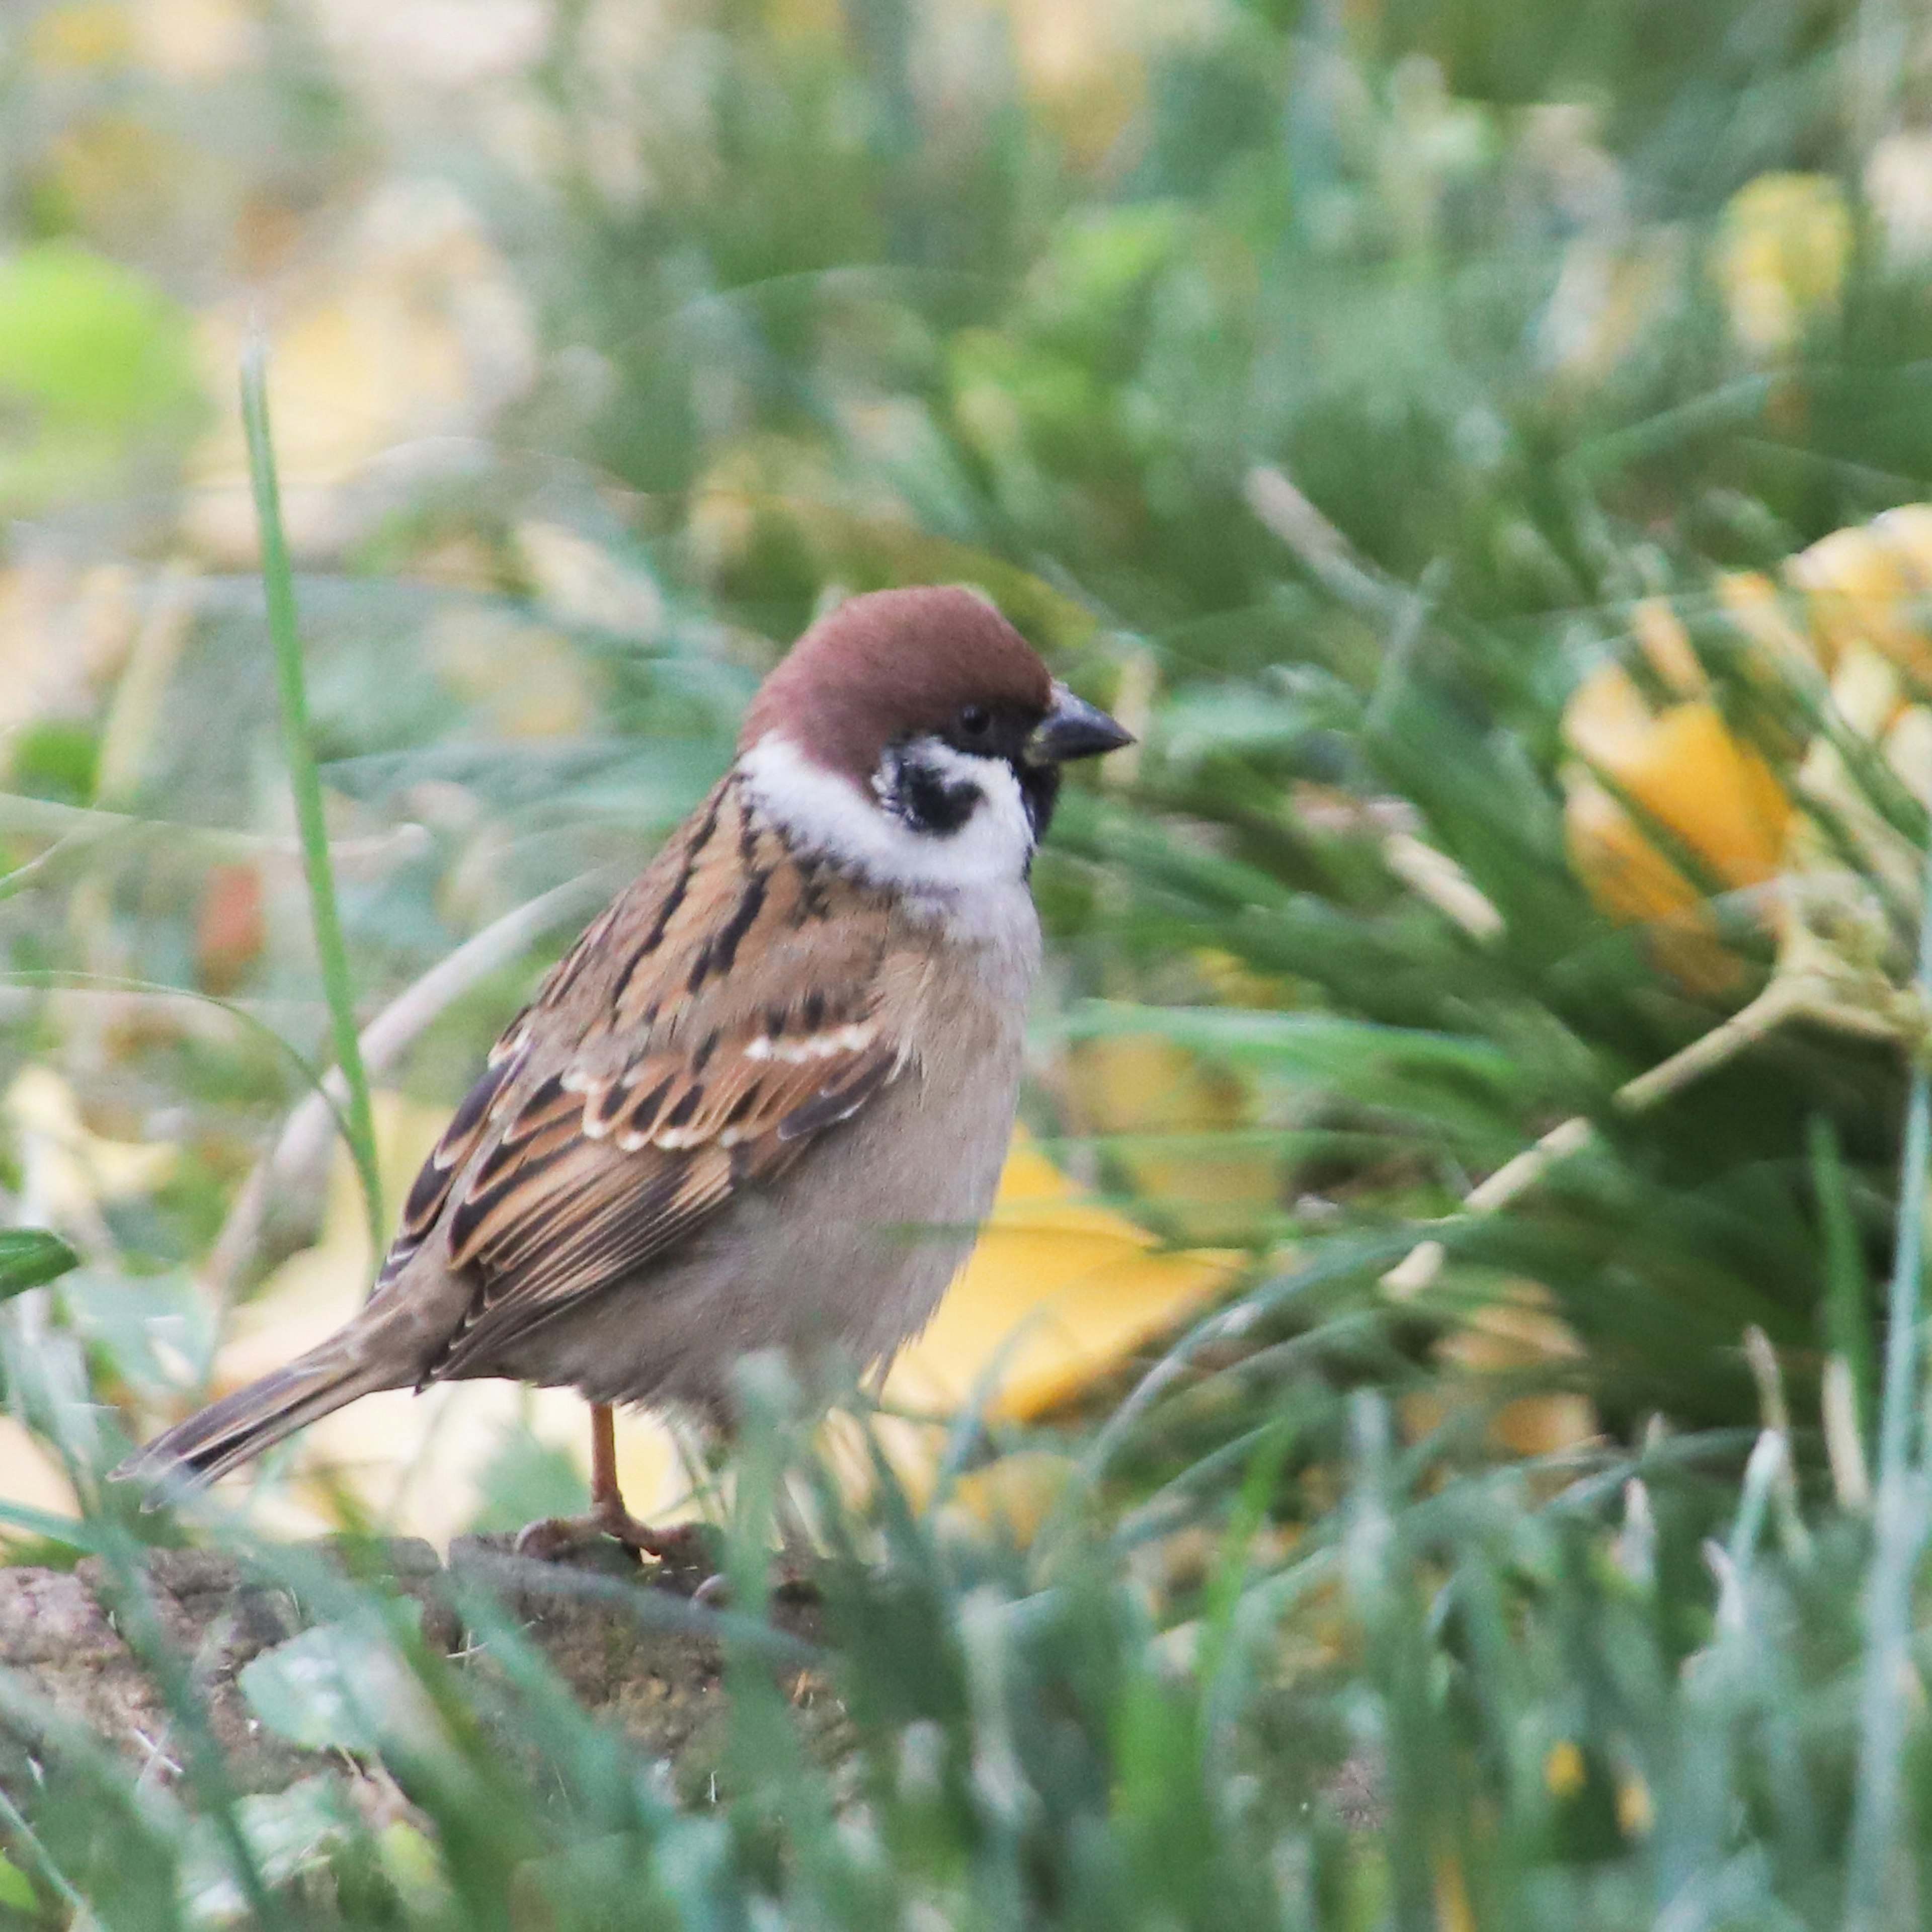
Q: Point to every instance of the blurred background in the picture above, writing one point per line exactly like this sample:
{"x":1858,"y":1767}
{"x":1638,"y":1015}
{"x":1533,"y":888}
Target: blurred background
{"x":1403,"y":1455}
{"x":1418,"y":418}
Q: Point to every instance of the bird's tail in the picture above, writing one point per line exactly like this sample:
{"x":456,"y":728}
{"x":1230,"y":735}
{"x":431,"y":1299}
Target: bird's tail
{"x":240,"y":1426}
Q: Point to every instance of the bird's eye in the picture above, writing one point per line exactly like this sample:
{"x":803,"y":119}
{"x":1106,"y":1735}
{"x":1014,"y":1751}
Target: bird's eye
{"x":975,"y":720}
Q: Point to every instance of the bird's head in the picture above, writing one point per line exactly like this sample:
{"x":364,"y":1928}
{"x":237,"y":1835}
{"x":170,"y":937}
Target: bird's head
{"x":915,"y":735}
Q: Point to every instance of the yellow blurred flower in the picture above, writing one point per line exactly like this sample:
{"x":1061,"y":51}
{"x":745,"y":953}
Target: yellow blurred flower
{"x":81,"y":35}
{"x":1564,"y":1773}
{"x":1781,"y":258}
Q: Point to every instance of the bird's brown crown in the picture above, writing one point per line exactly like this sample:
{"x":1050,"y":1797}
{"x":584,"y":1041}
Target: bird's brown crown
{"x":893,"y":665}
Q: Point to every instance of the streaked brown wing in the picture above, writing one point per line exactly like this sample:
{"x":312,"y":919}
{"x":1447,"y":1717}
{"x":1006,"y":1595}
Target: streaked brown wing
{"x":697,"y":1038}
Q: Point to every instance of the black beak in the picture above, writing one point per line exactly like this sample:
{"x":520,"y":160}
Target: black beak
{"x":1074,"y":729}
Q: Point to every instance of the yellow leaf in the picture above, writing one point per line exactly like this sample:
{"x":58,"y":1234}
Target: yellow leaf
{"x":120,"y":177}
{"x":1778,"y":649}
{"x":64,"y":635}
{"x":1520,"y":1331}
{"x":1013,"y":1495}
{"x":1855,"y":585}
{"x":68,"y":1169}
{"x":415,"y":329}
{"x":1058,"y":1291}
{"x":31,"y":1477}
{"x":1859,"y":618}
{"x":1683,"y":766}
{"x":1082,"y":68}
{"x":1661,"y":637}
{"x":584,"y":584}
{"x":1688,"y":771}
{"x":1233,"y":983}
{"x":1142,"y":1084}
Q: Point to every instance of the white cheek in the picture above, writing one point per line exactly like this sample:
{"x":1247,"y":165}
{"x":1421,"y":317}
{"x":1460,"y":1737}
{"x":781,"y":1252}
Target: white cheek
{"x":823,"y":813}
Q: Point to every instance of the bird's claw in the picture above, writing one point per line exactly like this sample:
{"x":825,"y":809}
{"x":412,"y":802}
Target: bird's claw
{"x":682,"y":1552}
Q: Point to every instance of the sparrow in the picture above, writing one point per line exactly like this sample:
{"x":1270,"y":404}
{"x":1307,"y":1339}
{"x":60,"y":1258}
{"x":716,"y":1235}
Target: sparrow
{"x":764,"y":1101}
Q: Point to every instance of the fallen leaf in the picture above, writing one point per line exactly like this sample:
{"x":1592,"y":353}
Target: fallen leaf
{"x":67,"y":1170}
{"x":415,"y":328}
{"x":1142,"y":1086}
{"x":1059,"y":1291}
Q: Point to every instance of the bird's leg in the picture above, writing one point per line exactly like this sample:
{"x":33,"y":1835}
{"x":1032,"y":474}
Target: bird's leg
{"x":607,"y":1498}
{"x":680,"y":1548}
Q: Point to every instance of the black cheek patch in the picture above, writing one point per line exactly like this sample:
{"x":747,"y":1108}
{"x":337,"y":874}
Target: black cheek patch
{"x":929,"y":802}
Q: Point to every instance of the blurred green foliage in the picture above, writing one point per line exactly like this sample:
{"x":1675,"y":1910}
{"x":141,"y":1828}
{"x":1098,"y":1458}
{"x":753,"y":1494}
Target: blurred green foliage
{"x":94,"y":365}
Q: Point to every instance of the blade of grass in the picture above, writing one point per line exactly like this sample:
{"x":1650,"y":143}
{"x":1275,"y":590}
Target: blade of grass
{"x":1903,"y":1516}
{"x":1848,"y":1325}
{"x":33,"y":1855}
{"x":278,"y":583}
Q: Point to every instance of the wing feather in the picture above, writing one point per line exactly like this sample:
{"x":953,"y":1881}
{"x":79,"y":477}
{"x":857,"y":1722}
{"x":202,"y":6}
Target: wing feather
{"x":732,"y":1007}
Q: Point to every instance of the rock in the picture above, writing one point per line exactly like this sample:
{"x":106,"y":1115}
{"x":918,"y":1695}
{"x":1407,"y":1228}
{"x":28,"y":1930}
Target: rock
{"x":645,"y":1659}
{"x":64,"y":1633}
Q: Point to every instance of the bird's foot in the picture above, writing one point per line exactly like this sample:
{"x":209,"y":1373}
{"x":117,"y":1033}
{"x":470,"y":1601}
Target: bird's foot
{"x":611,"y":1536}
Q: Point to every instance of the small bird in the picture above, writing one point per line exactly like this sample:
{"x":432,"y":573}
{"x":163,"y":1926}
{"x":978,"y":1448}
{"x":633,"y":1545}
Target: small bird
{"x":764,"y":1101}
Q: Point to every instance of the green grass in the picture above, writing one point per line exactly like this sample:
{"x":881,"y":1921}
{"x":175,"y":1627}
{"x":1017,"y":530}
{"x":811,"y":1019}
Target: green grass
{"x":285,"y":635}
